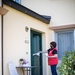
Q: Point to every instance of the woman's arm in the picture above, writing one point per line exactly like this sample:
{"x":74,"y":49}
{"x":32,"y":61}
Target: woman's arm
{"x":38,"y":53}
{"x":43,"y":52}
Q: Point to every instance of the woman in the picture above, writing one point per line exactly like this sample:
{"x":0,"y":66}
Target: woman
{"x":52,"y":57}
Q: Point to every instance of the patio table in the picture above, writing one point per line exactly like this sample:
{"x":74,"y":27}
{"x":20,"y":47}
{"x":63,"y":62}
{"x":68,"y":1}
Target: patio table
{"x":27,"y":69}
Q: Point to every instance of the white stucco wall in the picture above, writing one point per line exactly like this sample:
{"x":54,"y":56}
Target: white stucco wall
{"x":15,"y":36}
{"x":61,"y":11}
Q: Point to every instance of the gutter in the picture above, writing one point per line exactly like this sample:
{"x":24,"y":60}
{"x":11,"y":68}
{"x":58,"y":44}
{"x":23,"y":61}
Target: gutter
{"x":25,"y":10}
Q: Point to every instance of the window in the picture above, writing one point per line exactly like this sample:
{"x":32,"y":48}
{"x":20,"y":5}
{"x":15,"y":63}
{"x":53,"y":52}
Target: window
{"x":65,"y":42}
{"x":18,"y":1}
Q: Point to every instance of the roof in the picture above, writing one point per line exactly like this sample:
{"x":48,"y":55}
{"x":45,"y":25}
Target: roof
{"x":25,"y":10}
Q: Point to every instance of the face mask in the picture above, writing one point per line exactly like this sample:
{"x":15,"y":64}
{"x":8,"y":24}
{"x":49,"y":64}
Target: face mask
{"x":51,"y":46}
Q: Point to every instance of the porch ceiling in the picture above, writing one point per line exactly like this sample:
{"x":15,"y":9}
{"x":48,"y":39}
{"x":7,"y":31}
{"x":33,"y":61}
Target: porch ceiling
{"x":71,"y":26}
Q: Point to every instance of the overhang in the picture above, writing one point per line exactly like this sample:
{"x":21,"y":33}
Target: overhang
{"x":71,"y":26}
{"x":27,"y":11}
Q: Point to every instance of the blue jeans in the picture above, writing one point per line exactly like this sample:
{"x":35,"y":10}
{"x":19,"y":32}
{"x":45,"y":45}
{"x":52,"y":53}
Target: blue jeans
{"x":53,"y":69}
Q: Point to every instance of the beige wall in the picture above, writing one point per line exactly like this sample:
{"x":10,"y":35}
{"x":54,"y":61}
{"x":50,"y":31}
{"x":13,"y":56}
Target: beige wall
{"x":15,"y":36}
{"x":61,"y":11}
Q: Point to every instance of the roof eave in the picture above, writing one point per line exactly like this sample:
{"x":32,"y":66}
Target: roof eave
{"x":27,"y":11}
{"x":70,"y":26}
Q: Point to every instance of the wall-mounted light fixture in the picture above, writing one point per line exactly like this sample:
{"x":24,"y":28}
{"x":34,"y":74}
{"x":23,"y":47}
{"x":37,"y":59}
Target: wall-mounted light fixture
{"x":26,"y":29}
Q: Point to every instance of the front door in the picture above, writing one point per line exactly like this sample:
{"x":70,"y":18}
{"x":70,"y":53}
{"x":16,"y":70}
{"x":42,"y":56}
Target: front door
{"x":36,"y":46}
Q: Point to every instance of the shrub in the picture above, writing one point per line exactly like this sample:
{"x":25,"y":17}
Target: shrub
{"x":67,"y":65}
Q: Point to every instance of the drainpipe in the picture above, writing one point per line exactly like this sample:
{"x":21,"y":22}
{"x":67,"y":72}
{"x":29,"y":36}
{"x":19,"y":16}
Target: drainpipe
{"x":4,"y":11}
{"x":2,"y":44}
{"x":2,"y":41}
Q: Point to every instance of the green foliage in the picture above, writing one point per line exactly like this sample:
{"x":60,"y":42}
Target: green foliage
{"x":67,"y":65}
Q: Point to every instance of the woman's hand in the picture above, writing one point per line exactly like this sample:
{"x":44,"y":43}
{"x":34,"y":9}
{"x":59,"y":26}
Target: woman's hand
{"x":36,"y":54}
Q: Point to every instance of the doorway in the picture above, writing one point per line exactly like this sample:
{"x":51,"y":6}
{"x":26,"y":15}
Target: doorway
{"x":36,"y":46}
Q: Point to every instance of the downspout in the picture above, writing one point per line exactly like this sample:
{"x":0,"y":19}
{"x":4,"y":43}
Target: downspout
{"x":4,"y":11}
{"x":2,"y":42}
{"x":2,"y":26}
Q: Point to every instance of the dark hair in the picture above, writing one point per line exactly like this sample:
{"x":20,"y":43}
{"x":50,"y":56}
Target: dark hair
{"x":53,"y":43}
{"x":21,"y":59}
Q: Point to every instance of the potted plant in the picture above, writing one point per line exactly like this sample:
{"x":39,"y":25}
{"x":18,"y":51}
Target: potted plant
{"x":23,"y":62}
{"x":67,"y":65}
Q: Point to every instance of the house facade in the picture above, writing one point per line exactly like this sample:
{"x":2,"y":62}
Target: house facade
{"x":30,"y":26}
